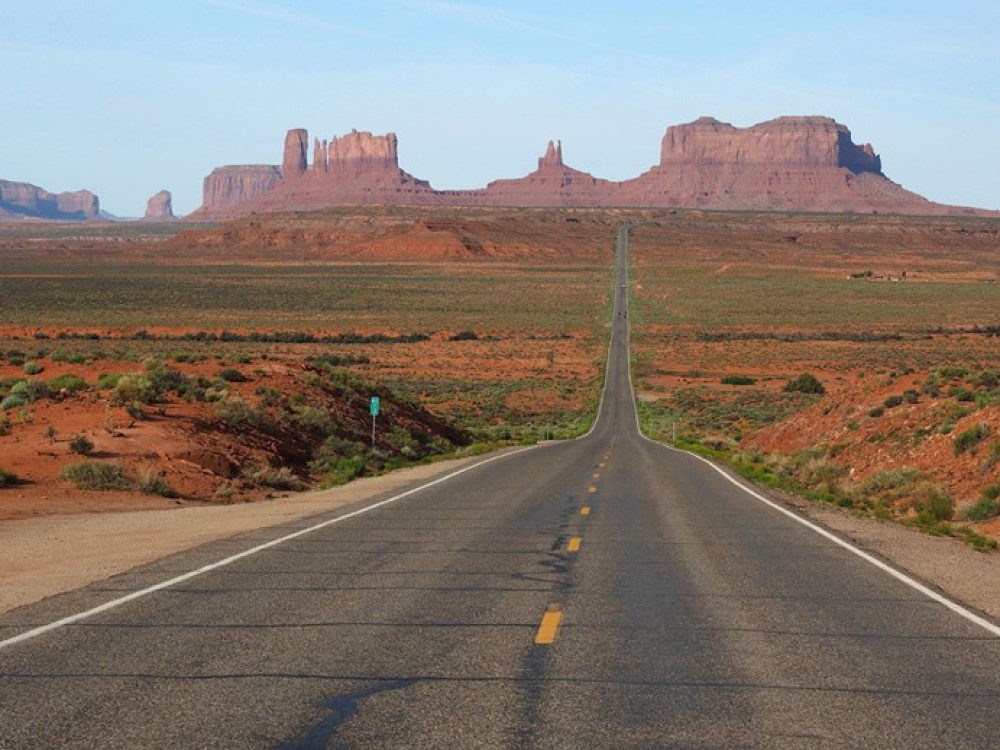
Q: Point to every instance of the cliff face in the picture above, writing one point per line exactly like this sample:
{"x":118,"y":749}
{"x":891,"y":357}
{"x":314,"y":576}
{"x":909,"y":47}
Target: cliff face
{"x":801,"y":142}
{"x":230,"y":186}
{"x":21,"y":200}
{"x":791,"y":163}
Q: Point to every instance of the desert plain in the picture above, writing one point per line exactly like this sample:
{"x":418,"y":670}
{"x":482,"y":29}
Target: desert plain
{"x":847,"y":362}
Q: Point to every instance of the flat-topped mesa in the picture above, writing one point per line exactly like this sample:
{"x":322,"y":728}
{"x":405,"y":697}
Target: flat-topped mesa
{"x":232,"y":185}
{"x":785,"y":141}
{"x":553,"y":156}
{"x":294,"y":164}
{"x":24,"y":200}
{"x":355,"y":153}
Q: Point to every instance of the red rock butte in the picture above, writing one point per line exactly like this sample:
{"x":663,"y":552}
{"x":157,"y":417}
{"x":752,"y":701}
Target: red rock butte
{"x":786,"y":164}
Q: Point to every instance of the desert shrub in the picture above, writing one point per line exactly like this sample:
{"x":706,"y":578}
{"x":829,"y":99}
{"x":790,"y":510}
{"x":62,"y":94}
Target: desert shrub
{"x":911,"y":396}
{"x":952,"y":372}
{"x":344,"y":470}
{"x":464,"y":336}
{"x":107,"y":381}
{"x":892,"y":401}
{"x":32,"y":368}
{"x":970,"y":438}
{"x":932,"y":503}
{"x":232,"y":375}
{"x":988,"y":464}
{"x":150,"y":483}
{"x":163,"y":379}
{"x":240,"y":415}
{"x":987,"y":379}
{"x":986,"y":507}
{"x":314,"y":419}
{"x":738,"y":380}
{"x":133,"y":388}
{"x":279,"y":479}
{"x":5,"y":478}
{"x":4,"y":424}
{"x":67,"y":382}
{"x":960,"y":393}
{"x":804,"y":383}
{"x":81,"y":444}
{"x":268,"y":396}
{"x":878,"y":411}
{"x":96,"y":475}
{"x":13,"y":401}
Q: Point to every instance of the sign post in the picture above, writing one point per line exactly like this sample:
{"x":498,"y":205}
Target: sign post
{"x":374,"y":411}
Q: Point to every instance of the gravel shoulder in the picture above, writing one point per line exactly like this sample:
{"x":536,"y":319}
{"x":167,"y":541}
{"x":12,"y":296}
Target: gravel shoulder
{"x":41,"y":557}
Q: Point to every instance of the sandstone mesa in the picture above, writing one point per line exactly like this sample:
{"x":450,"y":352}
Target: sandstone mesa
{"x":787,"y":164}
{"x":21,"y":200}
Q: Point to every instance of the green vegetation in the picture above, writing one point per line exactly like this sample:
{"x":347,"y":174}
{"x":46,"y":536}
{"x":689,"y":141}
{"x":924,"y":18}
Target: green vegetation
{"x":737,"y":380}
{"x":96,"y":475}
{"x":81,"y":444}
{"x":987,"y":507}
{"x":150,"y":483}
{"x":32,"y":368}
{"x":805,"y":383}
{"x":969,"y":439}
{"x":5,"y":478}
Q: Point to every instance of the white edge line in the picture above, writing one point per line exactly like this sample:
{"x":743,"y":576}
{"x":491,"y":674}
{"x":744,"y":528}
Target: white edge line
{"x":886,"y":568}
{"x":71,"y":619}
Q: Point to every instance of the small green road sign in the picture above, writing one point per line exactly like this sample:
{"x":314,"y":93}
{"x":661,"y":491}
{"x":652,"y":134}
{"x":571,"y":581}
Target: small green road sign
{"x":375,"y":406}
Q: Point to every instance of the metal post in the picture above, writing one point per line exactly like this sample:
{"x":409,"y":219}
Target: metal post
{"x":373,"y":432}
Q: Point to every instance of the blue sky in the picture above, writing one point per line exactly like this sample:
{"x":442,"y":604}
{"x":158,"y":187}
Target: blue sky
{"x":126,"y":98}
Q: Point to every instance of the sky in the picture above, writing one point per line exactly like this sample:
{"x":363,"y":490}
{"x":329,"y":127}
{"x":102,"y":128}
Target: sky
{"x":129,"y":97}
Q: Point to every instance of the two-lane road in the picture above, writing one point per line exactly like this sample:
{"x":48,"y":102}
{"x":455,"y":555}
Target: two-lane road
{"x":602,"y":592}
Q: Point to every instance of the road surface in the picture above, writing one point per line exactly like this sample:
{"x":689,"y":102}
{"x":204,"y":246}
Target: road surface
{"x":602,"y":592}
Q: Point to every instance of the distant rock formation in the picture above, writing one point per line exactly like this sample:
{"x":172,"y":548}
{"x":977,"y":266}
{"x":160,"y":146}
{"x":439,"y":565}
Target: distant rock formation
{"x":786,"y":141}
{"x":21,"y":200}
{"x":294,"y":162}
{"x":790,"y":163}
{"x":160,"y":207}
{"x":228,"y":187}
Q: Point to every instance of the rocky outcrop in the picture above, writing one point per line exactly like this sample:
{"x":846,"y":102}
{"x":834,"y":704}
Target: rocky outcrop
{"x":21,"y":200}
{"x":786,"y":141}
{"x":160,"y":207}
{"x":294,"y":163}
{"x":227,"y":187}
{"x":789,"y":164}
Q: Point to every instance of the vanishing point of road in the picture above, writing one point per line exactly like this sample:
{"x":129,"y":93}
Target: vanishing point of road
{"x":600,"y":592}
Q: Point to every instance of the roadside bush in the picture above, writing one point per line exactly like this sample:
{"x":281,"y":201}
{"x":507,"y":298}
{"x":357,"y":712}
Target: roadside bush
{"x":150,"y":483}
{"x":5,"y":478}
{"x":911,"y":396}
{"x":892,"y":401}
{"x":969,"y":439}
{"x":464,"y":336}
{"x":107,"y":381}
{"x":344,"y":470}
{"x":960,"y":393}
{"x":738,"y":380}
{"x":279,"y":479}
{"x":805,"y":383}
{"x":81,"y":445}
{"x":96,"y":475}
{"x":987,"y":507}
{"x":32,"y":368}
{"x":878,"y":411}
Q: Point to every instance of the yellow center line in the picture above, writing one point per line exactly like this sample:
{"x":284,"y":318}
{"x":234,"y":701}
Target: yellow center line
{"x":592,"y":489}
{"x":585,"y":510}
{"x":574,"y":544}
{"x":550,"y":625}
{"x":597,"y":475}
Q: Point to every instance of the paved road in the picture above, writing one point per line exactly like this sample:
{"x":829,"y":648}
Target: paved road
{"x":673,"y":609}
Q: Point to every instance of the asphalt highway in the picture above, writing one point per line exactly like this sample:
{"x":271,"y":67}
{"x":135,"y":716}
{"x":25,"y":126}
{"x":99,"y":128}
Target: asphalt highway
{"x":601,"y":592}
